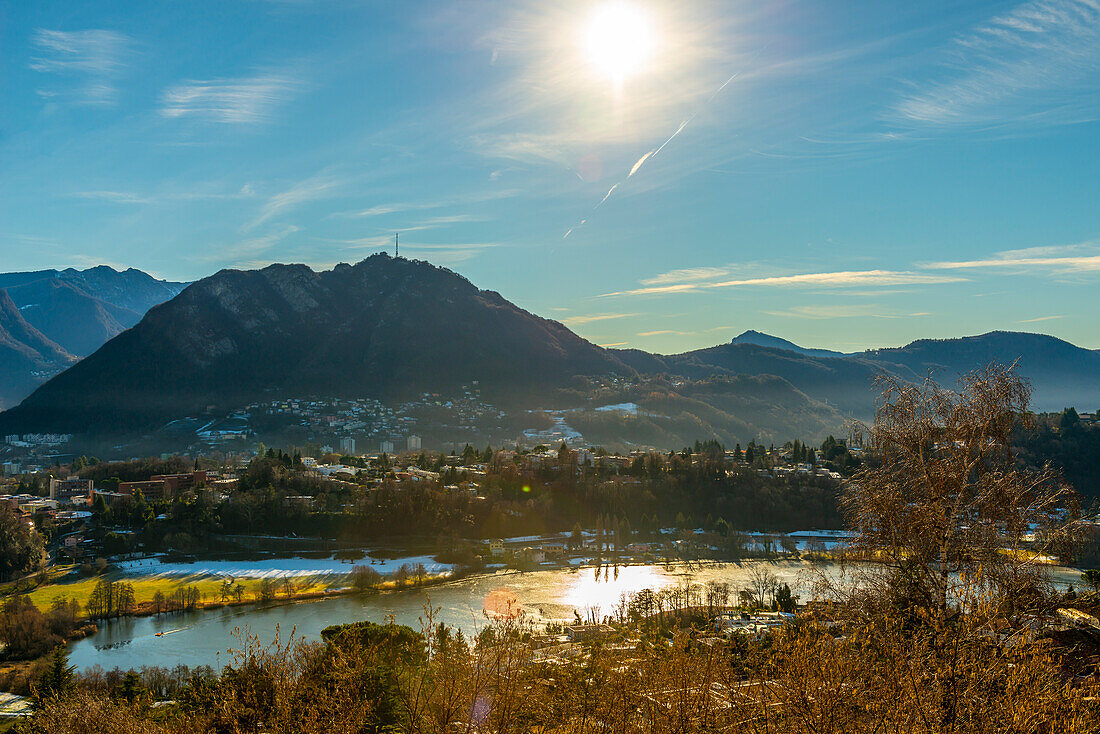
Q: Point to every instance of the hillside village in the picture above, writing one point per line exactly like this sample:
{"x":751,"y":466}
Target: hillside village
{"x":68,"y":505}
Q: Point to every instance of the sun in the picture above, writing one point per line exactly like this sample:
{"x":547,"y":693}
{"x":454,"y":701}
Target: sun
{"x":618,"y":40}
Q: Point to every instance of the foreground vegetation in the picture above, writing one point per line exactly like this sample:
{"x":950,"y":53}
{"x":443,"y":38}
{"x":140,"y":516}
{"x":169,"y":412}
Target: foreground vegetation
{"x":811,"y":676}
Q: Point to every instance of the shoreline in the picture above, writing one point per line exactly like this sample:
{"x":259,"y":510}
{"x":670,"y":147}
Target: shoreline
{"x":685,"y":570}
{"x":454,"y":576}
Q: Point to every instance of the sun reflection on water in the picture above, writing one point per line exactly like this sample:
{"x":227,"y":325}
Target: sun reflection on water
{"x":602,"y":588}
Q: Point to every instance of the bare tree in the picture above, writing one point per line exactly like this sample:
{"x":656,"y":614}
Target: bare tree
{"x":944,"y":497}
{"x":364,"y":577}
{"x":761,"y":583}
{"x":717,"y":597}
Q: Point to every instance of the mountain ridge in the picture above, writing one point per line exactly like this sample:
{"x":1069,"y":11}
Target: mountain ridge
{"x":26,"y":355}
{"x":79,"y":322}
{"x":1061,"y":373}
{"x":392,"y":328}
{"x":76,"y":310}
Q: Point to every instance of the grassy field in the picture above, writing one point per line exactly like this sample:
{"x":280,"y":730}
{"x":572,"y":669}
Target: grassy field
{"x":61,"y":582}
{"x":66,"y":585}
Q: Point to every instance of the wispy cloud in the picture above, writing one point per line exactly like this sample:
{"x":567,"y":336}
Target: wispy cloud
{"x":1060,"y":259}
{"x":440,"y":222}
{"x":1035,"y":63}
{"x":243,"y":100}
{"x":660,"y":332}
{"x":1040,"y":318}
{"x":686,"y":275}
{"x":843,"y":312}
{"x":590,"y":318}
{"x":841,"y":279}
{"x":384,"y":210}
{"x":130,"y":197}
{"x":88,"y":64}
{"x":314,"y":188}
{"x":244,"y":252}
{"x":447,"y":254}
{"x":115,"y":197}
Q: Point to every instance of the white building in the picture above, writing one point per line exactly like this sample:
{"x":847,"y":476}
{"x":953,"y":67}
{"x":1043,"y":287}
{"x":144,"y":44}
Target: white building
{"x":414,"y":443}
{"x":387,"y":447}
{"x":347,"y":445}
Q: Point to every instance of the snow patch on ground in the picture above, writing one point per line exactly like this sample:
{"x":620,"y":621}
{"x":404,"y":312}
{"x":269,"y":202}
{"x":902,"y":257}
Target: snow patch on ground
{"x":630,"y":408}
{"x":276,"y":567}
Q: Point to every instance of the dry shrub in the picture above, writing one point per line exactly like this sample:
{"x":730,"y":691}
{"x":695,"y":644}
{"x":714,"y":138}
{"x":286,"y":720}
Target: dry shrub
{"x":82,"y":713}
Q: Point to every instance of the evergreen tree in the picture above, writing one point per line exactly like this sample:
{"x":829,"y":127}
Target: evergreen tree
{"x":130,"y":688}
{"x":1069,"y":420}
{"x":57,"y":678}
{"x":784,"y":600}
{"x":576,"y":539}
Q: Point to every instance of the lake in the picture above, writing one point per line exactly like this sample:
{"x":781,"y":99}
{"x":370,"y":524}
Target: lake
{"x":204,"y":638}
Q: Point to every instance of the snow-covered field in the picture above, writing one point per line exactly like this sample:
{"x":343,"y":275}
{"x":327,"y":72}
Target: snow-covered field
{"x":631,"y":408}
{"x":276,"y":567}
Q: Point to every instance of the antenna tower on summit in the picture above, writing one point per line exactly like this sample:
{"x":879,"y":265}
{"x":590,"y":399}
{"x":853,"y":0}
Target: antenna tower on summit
{"x":397,"y":244}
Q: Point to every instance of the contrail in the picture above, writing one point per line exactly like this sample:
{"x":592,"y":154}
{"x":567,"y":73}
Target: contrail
{"x":678,"y":131}
{"x":606,"y":196}
{"x":732,"y":77}
{"x":685,"y":123}
{"x":636,"y":166}
{"x":641,"y":161}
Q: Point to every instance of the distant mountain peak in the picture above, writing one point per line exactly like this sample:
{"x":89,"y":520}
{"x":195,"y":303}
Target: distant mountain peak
{"x":761,"y":339}
{"x":26,"y":355}
{"x":76,"y":311}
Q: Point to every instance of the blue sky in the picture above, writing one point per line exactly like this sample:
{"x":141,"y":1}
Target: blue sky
{"x":843,"y":174}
